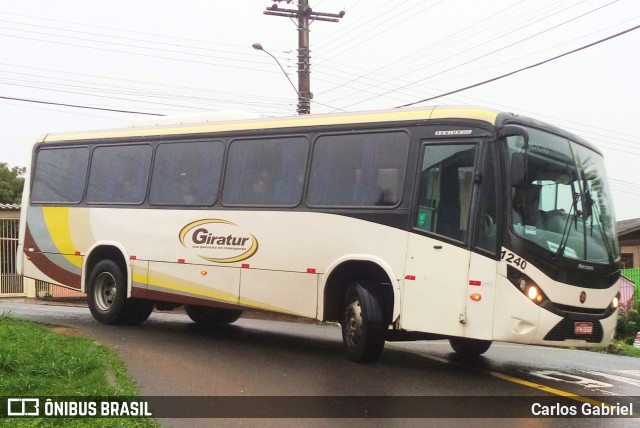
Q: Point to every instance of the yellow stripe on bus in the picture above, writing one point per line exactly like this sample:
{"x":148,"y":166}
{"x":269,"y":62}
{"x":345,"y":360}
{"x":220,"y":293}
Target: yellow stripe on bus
{"x":194,"y":290}
{"x":57,"y":222}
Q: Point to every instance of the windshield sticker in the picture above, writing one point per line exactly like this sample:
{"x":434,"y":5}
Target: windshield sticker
{"x":218,"y":240}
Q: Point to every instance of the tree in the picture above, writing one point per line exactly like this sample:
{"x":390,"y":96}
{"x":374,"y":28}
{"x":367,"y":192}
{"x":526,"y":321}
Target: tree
{"x":11,"y":183}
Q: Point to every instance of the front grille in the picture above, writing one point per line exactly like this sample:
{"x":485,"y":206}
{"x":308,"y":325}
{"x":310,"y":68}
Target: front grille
{"x":577,"y":310}
{"x":565,"y":329}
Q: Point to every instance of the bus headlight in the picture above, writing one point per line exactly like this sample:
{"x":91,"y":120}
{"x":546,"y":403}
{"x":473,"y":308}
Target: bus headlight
{"x":533,"y":293}
{"x":526,"y":285}
{"x":615,"y":302}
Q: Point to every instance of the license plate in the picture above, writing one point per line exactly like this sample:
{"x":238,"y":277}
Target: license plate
{"x":583,"y":328}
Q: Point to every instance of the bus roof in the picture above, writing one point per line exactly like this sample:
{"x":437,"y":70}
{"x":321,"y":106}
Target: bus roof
{"x":395,"y":115}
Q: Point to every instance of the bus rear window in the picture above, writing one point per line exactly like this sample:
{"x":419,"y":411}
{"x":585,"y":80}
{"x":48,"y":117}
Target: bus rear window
{"x":59,"y":175}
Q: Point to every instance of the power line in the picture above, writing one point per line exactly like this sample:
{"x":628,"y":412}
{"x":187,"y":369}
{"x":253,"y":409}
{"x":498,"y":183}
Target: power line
{"x":136,"y":82}
{"x":492,"y":52}
{"x":172,"y":37}
{"x":387,"y":25}
{"x":449,"y":77}
{"x":524,"y":68}
{"x":26,"y":100}
{"x":445,"y":44}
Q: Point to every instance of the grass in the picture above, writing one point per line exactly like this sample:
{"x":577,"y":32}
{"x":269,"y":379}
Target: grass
{"x":620,"y":348}
{"x":35,"y":361}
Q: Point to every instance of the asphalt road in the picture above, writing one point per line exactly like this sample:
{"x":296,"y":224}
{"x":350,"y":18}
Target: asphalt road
{"x":168,"y":355}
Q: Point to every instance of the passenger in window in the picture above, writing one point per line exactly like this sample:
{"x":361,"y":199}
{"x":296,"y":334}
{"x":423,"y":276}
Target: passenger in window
{"x":260,"y":188}
{"x":185,"y":189}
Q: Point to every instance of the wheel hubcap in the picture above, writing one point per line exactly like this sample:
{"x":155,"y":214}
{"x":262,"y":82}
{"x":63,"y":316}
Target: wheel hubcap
{"x":105,"y":291}
{"x":353,"y":323}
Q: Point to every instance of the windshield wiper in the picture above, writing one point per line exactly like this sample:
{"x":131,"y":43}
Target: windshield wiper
{"x":567,"y":227}
{"x":605,"y":239}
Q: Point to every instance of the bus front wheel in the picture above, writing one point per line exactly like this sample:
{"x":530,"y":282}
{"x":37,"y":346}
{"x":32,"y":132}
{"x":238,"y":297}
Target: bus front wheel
{"x":107,"y":297}
{"x":469,"y":347}
{"x":363,"y":327}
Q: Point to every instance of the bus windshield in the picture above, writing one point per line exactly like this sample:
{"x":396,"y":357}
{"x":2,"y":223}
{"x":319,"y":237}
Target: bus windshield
{"x":560,"y":198}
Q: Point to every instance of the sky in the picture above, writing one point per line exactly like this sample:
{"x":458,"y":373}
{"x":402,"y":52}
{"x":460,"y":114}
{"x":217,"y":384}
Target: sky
{"x":186,"y":57}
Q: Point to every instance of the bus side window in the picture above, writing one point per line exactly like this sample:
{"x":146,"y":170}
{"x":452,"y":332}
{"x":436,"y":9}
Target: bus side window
{"x":187,"y":173}
{"x":267,"y":172}
{"x":119,"y":174}
{"x":358,"y":170}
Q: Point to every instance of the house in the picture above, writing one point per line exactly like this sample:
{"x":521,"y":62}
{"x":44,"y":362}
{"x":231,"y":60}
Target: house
{"x":629,"y":237}
{"x":9,"y":211}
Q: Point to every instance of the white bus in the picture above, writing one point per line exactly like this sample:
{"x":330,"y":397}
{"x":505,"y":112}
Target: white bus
{"x":457,"y":223}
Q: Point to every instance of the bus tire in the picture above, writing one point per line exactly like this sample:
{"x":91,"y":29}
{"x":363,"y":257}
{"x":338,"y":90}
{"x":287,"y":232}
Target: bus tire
{"x":209,"y":316}
{"x":107,"y":292}
{"x":137,"y":311}
{"x":363,"y":326}
{"x":469,"y":347}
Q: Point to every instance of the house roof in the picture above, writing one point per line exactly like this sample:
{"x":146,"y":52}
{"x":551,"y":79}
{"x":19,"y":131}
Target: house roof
{"x":628,"y":226}
{"x":9,"y":207}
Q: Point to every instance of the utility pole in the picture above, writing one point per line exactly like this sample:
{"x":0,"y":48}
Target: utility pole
{"x":305,"y":15}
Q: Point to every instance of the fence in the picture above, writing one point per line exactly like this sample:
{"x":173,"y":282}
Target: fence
{"x":10,"y":282}
{"x":634,"y":276}
{"x":47,"y":291}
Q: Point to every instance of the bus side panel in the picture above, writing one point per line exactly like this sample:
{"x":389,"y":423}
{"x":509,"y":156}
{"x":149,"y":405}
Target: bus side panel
{"x":139,"y":278}
{"x":516,"y":318}
{"x":285,"y":292}
{"x":434,"y":290}
{"x":52,"y":257}
{"x":188,"y":281}
{"x":59,"y":269}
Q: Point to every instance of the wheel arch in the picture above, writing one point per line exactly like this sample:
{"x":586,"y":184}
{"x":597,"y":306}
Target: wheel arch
{"x":347,"y":269}
{"x":102,"y":251}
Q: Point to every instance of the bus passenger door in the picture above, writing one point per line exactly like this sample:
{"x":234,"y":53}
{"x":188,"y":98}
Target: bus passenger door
{"x":435,"y":285}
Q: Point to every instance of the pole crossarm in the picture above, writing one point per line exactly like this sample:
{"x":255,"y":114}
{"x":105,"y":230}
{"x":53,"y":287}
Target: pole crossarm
{"x":304,"y":14}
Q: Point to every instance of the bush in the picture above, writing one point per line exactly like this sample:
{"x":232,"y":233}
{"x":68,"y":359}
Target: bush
{"x":628,"y":325}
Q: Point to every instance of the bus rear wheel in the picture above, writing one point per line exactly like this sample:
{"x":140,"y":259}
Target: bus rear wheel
{"x":209,"y":316}
{"x":469,"y":347}
{"x":107,"y":297}
{"x":363,"y":326}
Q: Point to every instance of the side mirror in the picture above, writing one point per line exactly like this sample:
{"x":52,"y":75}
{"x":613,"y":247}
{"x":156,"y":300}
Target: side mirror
{"x":518,"y":160}
{"x":518,"y":169}
{"x":515,"y":131}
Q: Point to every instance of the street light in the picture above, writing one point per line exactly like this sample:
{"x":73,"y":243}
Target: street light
{"x":258,"y":47}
